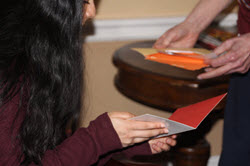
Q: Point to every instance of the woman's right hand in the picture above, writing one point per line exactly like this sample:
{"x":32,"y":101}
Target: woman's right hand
{"x":131,"y":132}
{"x":182,"y":35}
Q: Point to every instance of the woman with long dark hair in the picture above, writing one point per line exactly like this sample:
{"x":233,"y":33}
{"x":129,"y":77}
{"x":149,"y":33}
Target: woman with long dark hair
{"x":41,"y":91}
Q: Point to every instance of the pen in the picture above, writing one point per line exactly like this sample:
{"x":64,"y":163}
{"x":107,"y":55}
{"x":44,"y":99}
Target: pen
{"x":190,"y":54}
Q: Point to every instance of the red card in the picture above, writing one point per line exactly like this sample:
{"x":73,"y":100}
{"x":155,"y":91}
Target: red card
{"x":193,"y":115}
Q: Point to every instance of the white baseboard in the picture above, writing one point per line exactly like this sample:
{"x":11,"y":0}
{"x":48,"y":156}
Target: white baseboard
{"x":140,"y":29}
{"x":213,"y":161}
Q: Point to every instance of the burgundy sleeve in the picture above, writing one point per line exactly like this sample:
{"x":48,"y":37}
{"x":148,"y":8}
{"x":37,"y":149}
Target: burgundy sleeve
{"x":84,"y":147}
{"x":142,"y":149}
{"x":132,"y":151}
{"x":136,"y":150}
{"x":87,"y":146}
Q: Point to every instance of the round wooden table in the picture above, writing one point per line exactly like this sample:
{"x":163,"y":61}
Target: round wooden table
{"x":167,"y":88}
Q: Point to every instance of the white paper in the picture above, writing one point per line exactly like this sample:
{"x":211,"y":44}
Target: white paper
{"x":173,"y":127}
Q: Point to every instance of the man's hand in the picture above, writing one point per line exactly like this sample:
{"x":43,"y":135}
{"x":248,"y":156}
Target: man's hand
{"x":185,"y":34}
{"x":235,"y":58}
{"x":182,"y":36}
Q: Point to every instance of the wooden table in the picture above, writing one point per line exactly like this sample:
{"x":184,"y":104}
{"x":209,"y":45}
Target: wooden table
{"x":167,"y":88}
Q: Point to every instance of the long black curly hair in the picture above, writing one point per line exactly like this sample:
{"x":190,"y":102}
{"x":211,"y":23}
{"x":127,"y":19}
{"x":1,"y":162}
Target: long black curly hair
{"x":41,"y":51}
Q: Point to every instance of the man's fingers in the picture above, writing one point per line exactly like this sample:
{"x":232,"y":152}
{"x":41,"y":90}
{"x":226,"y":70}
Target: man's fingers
{"x":210,"y":56}
{"x":225,"y":46}
{"x":164,"y":40}
{"x":222,"y":54}
{"x":160,"y":44}
{"x":231,"y":56}
{"x":242,"y":69}
{"x":209,"y":69}
{"x":215,"y":73}
{"x":241,"y":65}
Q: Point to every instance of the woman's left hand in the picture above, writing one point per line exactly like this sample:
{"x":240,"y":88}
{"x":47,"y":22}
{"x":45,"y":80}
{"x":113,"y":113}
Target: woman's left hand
{"x":236,"y":58}
{"x":162,"y":144}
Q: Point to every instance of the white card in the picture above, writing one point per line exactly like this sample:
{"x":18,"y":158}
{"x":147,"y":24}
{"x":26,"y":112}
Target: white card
{"x":173,"y":127}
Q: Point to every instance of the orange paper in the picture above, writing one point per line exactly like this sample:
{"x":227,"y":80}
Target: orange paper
{"x":189,"y":63}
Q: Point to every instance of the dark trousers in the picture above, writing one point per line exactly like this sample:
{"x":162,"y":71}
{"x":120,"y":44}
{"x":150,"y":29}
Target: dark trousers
{"x":236,"y":135}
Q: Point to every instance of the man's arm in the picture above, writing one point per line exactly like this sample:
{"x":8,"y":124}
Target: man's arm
{"x":205,"y":12}
{"x":186,"y":33}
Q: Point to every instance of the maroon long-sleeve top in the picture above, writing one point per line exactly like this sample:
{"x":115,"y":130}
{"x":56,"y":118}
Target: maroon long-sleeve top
{"x":87,"y":146}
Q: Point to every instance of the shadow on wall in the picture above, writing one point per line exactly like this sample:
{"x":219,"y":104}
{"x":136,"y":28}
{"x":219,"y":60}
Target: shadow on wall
{"x":88,"y":29}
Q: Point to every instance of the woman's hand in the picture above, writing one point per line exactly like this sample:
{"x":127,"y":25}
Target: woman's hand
{"x":235,"y":58}
{"x":182,"y":35}
{"x":131,"y":132}
{"x":162,"y":144}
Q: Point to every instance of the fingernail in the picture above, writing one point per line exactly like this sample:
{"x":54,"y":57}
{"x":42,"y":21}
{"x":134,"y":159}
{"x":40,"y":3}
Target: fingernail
{"x":206,"y":61}
{"x":199,"y":78}
{"x":163,"y":125}
{"x":159,"y":144}
{"x":166,"y":130}
{"x":168,"y":141}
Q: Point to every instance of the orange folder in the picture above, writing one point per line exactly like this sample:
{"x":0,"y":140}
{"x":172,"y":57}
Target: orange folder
{"x":188,"y":59}
{"x":185,"y":62}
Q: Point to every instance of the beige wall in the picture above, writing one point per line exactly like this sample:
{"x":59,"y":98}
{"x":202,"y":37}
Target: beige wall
{"x":123,"y":9}
{"x":116,"y":9}
{"x":102,"y":96}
